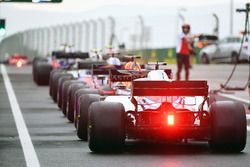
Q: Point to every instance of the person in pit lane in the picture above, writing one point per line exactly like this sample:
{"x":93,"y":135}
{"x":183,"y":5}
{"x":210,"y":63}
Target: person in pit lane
{"x":184,"y":50}
{"x":132,"y":64}
{"x":113,"y":60}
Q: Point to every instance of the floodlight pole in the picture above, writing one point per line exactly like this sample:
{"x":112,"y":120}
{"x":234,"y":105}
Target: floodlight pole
{"x":142,"y":31}
{"x":103,"y":30}
{"x":86,"y":29}
{"x":179,"y":16}
{"x":112,"y":24}
{"x":94,"y":30}
{"x":216,"y":29}
{"x":231,"y":17}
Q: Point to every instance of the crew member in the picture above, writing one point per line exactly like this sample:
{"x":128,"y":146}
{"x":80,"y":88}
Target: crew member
{"x":184,"y":50}
{"x":113,"y":60}
{"x":132,"y":65}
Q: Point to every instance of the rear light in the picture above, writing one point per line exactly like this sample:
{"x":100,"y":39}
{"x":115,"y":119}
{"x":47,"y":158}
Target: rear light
{"x":170,"y":119}
{"x":19,"y":63}
{"x":245,"y":46}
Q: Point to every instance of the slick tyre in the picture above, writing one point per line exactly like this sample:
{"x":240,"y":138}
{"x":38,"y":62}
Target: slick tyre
{"x":60,"y":88}
{"x":81,"y":118}
{"x":65,"y":88}
{"x":228,"y":126}
{"x":106,"y":127}
{"x":42,"y":73}
{"x":71,"y":100}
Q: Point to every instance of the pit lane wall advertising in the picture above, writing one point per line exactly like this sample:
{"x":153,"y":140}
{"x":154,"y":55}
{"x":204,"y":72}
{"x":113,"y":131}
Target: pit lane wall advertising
{"x":167,"y":55}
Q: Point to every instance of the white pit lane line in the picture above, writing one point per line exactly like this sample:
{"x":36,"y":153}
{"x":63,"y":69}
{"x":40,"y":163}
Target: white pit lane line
{"x":27,"y":146}
{"x":235,"y":98}
{"x":240,"y":100}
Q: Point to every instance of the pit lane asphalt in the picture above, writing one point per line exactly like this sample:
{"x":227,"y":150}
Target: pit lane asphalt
{"x":56,"y":143}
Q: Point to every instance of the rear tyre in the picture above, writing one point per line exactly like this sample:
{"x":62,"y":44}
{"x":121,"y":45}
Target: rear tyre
{"x":60,"y":88}
{"x":204,"y":59}
{"x":34,"y":66}
{"x":65,"y":89}
{"x":107,"y":127}
{"x":52,"y":73}
{"x":71,"y":100}
{"x":55,"y":85}
{"x":78,"y":95}
{"x":228,"y":126}
{"x":43,"y":70}
{"x":81,"y":118}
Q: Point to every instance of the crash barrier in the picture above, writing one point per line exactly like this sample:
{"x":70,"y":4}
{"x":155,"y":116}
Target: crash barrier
{"x":162,"y":54}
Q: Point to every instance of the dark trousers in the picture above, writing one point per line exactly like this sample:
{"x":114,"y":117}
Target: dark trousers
{"x":182,"y":60}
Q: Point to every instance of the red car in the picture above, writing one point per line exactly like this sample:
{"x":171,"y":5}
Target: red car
{"x":18,"y":60}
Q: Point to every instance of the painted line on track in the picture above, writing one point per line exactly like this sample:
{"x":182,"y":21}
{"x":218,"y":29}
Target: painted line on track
{"x":235,"y":98}
{"x":240,"y":100}
{"x":27,"y":146}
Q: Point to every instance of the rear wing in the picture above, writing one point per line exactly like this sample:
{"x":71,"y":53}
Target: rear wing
{"x":166,"y":88}
{"x":100,"y":69}
{"x":126,"y":75}
{"x":88,"y":64}
{"x":155,"y":65}
{"x":73,"y":55}
{"x":128,"y":58}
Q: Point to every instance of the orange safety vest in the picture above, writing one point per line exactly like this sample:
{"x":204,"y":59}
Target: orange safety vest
{"x":132,"y":66}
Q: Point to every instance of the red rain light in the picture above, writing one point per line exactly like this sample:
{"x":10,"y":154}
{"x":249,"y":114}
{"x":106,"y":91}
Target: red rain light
{"x":19,"y":63}
{"x":170,"y":119}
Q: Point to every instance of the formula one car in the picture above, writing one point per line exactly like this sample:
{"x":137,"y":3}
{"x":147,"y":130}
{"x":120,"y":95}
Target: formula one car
{"x":94,"y":77}
{"x":18,"y":60}
{"x":102,"y":80}
{"x":66,"y":84}
{"x":58,"y":60}
{"x":119,"y":85}
{"x":161,"y":109}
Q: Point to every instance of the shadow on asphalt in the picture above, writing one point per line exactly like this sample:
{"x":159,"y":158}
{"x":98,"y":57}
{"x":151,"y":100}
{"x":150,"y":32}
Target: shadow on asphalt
{"x":152,"y":148}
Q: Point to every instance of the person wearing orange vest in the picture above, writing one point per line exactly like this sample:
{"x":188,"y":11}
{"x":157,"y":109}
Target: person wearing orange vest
{"x":132,"y":65}
{"x":184,"y":50}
